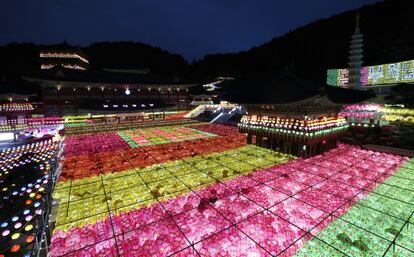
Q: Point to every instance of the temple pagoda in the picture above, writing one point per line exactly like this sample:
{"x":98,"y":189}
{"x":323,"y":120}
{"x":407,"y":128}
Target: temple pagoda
{"x":355,"y":58}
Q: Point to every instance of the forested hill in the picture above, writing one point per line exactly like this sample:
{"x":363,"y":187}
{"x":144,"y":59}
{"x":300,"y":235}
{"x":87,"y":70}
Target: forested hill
{"x":310,"y":50}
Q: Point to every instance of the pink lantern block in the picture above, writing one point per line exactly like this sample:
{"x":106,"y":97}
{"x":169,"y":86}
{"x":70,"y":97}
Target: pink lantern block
{"x":271,"y":232}
{"x":198,"y":224}
{"x":157,"y":239}
{"x":230,"y":243}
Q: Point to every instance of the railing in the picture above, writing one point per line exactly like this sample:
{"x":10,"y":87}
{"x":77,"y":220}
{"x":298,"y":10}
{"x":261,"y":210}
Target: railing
{"x":40,"y":122}
{"x":390,"y":150}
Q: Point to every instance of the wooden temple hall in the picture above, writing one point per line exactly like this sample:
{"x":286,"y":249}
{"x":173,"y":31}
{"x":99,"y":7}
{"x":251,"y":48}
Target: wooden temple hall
{"x":304,"y":129}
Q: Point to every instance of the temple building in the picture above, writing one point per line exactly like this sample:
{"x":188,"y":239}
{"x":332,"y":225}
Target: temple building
{"x":286,"y":114}
{"x":69,"y":85}
{"x":17,"y":103}
{"x":70,"y":91}
{"x":304,"y":128}
{"x":15,"y":109}
{"x":64,"y":56}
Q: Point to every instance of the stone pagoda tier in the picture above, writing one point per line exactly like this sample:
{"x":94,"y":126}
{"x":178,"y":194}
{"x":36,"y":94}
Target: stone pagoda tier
{"x":355,"y":57}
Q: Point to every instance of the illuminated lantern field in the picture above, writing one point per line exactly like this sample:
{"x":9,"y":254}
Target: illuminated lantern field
{"x":374,"y":115}
{"x":24,"y":176}
{"x":235,"y":200}
{"x":163,"y":135}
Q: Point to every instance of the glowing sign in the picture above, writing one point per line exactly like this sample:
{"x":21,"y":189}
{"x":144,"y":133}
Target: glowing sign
{"x":392,"y":73}
{"x":6,"y":136}
{"x":407,"y":71}
{"x":338,"y":77}
{"x":384,"y":74}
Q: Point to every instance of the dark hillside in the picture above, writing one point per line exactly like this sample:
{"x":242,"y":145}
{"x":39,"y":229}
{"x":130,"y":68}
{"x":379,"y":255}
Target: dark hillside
{"x":310,"y":50}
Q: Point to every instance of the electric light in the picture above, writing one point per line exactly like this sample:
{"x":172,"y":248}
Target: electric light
{"x":16,"y":107}
{"x":290,"y":125}
{"x":62,"y":55}
{"x":377,"y":112}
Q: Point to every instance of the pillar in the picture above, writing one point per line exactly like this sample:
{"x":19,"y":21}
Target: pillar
{"x":272,"y":143}
{"x":312,"y":150}
{"x":258,"y":140}
{"x":249,"y":138}
{"x":265,"y":142}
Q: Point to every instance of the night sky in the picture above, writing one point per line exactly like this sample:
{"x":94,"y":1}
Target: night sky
{"x":192,"y":28}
